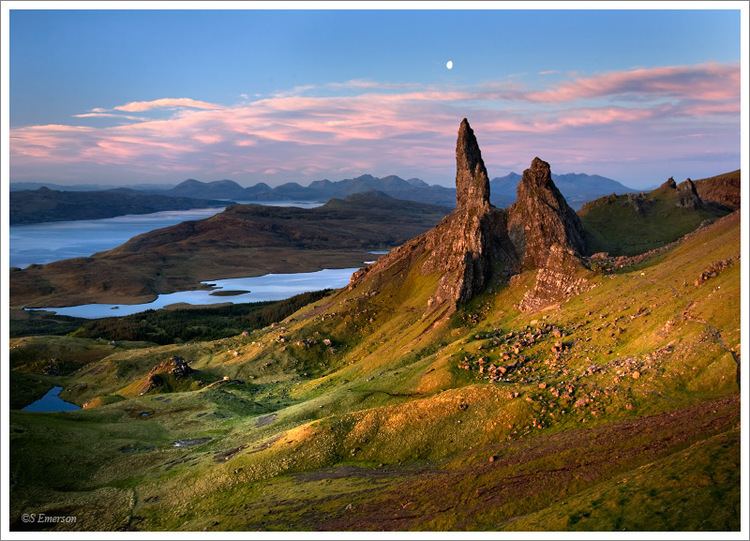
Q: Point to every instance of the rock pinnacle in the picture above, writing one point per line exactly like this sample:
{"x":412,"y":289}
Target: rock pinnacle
{"x":472,"y":182}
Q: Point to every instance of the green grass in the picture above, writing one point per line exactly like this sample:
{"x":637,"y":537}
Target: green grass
{"x":696,"y":489}
{"x":612,"y":224}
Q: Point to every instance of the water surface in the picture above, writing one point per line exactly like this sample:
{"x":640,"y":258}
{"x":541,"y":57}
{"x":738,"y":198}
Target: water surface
{"x":51,"y":402}
{"x":269,"y":287}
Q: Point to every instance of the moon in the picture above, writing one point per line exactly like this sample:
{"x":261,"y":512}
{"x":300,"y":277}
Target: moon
{"x":449,"y":64}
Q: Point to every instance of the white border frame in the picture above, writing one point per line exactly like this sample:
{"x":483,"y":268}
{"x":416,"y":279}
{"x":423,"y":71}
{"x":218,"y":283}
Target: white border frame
{"x":5,"y":8}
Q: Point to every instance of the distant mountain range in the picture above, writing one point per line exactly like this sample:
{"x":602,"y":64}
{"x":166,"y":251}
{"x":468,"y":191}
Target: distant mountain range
{"x":576,"y":187}
{"x":320,"y":190}
{"x":23,"y":186}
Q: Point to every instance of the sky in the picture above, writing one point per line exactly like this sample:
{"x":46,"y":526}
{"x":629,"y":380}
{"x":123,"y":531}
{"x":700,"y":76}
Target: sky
{"x":132,"y":97}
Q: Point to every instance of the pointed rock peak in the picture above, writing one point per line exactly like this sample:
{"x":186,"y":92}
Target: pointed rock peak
{"x":472,"y":182}
{"x":670,"y":183}
{"x":688,"y":195}
{"x":539,"y":165}
{"x":541,"y":217}
{"x":538,"y":174}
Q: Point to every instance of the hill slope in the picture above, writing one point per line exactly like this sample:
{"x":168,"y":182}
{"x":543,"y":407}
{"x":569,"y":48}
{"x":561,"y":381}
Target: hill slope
{"x":722,"y":190}
{"x":635,"y":223}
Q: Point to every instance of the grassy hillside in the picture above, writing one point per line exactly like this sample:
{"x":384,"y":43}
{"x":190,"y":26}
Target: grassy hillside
{"x":635,"y":223}
{"x":617,"y":409}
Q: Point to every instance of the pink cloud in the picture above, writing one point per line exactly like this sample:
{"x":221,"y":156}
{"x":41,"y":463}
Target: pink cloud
{"x":165,"y":103}
{"x":702,"y":81}
{"x":98,"y":114}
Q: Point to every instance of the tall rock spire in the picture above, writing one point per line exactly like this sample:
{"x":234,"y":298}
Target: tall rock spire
{"x":472,"y":182}
{"x":541,"y":217}
{"x":467,"y":250}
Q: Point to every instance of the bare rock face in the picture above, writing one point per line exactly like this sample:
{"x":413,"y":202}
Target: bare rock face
{"x":472,"y":240}
{"x":472,"y":182}
{"x":467,"y":249}
{"x":687,"y":195}
{"x":541,"y":217}
{"x":562,"y":276}
{"x":669,"y":183}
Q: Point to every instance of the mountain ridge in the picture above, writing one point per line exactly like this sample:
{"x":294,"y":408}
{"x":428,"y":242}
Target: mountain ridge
{"x":577,"y":187}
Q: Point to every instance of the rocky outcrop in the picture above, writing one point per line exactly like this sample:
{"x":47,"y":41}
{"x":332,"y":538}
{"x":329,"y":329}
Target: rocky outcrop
{"x":686,"y":192}
{"x":472,"y":182}
{"x":561,"y":276}
{"x":714,"y":269}
{"x":467,"y":249}
{"x":175,"y":366}
{"x":477,"y":244}
{"x":550,"y":237}
{"x":541,"y":217}
{"x":639,"y":202}
{"x":687,"y":195}
{"x":179,"y":367}
{"x":669,"y":184}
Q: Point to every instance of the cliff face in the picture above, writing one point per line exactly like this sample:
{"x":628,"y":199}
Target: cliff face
{"x":688,"y":195}
{"x":478,"y":245}
{"x":722,"y":190}
{"x":541,"y":217}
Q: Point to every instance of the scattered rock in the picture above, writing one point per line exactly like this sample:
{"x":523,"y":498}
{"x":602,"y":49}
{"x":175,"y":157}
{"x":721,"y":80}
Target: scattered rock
{"x":190,"y":442}
{"x":713,"y":270}
{"x":223,"y":456}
